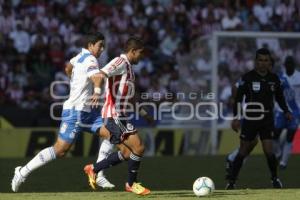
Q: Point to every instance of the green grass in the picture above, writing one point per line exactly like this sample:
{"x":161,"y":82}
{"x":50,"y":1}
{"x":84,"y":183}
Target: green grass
{"x":167,"y":177}
{"x":247,"y":194}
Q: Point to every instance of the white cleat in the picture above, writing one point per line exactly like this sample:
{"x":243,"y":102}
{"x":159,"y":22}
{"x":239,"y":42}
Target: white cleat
{"x":104,"y":183}
{"x":17,"y":180}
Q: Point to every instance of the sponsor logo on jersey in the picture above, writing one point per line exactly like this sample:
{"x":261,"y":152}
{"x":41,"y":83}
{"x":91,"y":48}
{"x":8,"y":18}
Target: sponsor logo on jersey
{"x":256,"y":86}
{"x":129,"y":127}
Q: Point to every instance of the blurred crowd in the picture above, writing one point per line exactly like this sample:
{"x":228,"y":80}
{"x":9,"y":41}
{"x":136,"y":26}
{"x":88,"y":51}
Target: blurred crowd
{"x":37,"y":37}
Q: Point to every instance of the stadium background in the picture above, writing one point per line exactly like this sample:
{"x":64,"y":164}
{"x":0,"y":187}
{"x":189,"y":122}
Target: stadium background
{"x":38,"y":37}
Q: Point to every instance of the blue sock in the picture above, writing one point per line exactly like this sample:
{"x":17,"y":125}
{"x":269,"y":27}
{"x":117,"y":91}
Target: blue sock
{"x":113,"y":159}
{"x":133,"y":167}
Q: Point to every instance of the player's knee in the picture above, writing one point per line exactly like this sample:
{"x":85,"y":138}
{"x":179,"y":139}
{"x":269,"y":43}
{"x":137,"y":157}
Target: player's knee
{"x":126,"y":153}
{"x":139,"y":150}
{"x":268,"y":152}
{"x":60,"y":151}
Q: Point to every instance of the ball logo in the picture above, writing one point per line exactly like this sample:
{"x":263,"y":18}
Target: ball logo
{"x":129,"y":127}
{"x":72,"y":135}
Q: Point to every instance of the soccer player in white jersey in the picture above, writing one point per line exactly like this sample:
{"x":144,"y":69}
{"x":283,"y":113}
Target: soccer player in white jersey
{"x":77,"y":114}
{"x":290,"y":80}
{"x":119,"y":91}
{"x":105,"y":147}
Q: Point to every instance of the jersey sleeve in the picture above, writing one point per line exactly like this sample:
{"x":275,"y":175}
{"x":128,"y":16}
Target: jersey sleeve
{"x":92,"y":66}
{"x":279,"y":95}
{"x":73,"y":60}
{"x":115,"y":67}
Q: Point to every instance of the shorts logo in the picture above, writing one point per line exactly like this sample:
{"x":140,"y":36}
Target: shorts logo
{"x":72,"y":135}
{"x":63,"y":127}
{"x":256,"y":86}
{"x":129,"y":127}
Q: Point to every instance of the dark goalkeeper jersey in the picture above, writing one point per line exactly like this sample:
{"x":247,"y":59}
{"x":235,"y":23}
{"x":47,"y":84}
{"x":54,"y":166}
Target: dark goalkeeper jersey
{"x":259,"y":89}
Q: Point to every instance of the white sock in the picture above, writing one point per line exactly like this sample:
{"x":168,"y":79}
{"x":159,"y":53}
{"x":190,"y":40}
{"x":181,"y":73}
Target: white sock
{"x":233,"y":154}
{"x":276,"y":148}
{"x":286,"y":152}
{"x":104,"y":150}
{"x":42,"y":158}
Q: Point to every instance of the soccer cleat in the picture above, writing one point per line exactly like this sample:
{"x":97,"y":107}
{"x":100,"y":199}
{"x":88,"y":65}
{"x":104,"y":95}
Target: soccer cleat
{"x":230,"y":185}
{"x":17,"y":180}
{"x":276,"y":183}
{"x":89,"y":171}
{"x":137,"y":188}
{"x":104,"y":183}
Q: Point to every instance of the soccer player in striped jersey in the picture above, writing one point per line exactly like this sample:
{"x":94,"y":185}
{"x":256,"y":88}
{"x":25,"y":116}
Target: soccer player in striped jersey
{"x":77,"y":114}
{"x":120,"y":91}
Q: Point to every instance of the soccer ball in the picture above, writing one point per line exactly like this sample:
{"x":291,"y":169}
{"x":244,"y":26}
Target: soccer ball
{"x":203,"y":186}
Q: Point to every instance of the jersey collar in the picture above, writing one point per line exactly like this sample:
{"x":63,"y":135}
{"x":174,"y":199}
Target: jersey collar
{"x":84,"y":50}
{"x":126,"y":59}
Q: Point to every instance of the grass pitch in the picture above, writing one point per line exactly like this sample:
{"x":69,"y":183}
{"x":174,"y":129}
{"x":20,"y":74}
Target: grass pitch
{"x":167,"y":177}
{"x":291,"y":194}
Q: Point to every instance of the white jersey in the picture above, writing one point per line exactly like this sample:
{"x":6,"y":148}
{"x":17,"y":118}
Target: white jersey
{"x":291,"y":89}
{"x":294,"y":82}
{"x":119,"y":87}
{"x":81,"y":87}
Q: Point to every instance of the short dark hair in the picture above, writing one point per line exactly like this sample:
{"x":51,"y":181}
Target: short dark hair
{"x":289,"y":60}
{"x":92,"y":38}
{"x":133,"y":43}
{"x":262,"y":51}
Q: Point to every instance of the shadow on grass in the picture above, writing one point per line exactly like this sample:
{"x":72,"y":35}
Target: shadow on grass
{"x":185,"y":194}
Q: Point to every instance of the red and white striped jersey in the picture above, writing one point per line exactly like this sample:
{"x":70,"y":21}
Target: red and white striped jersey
{"x":119,"y":87}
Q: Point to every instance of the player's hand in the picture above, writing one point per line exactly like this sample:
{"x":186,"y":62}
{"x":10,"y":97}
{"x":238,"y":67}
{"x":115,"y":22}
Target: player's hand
{"x":149,"y":120}
{"x":236,"y":125}
{"x":95,"y":100}
{"x":288,"y":116}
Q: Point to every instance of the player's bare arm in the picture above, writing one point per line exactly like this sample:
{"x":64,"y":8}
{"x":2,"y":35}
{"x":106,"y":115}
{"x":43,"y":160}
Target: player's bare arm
{"x":143,"y":112}
{"x":68,"y":69}
{"x":98,"y":80}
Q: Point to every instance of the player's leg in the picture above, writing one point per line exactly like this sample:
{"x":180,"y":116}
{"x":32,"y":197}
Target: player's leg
{"x":64,"y":141}
{"x":279,"y":124}
{"x":112,"y":131}
{"x":244,"y":150}
{"x":267,"y":145}
{"x":137,"y":147}
{"x":287,"y":148}
{"x":266,"y":136}
{"x":276,"y":142}
{"x":247,"y":139}
{"x":104,"y":149}
{"x":230,"y":158}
